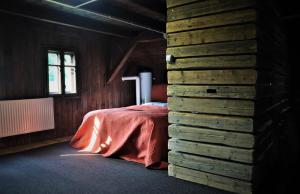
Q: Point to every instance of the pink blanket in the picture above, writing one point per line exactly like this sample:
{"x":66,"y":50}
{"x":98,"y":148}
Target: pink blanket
{"x":134,"y":133}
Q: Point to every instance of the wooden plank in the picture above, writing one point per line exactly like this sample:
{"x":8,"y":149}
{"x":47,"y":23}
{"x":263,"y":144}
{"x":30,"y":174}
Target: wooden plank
{"x":213,"y":106}
{"x":221,"y":19}
{"x":173,"y":3}
{"x":215,"y":166}
{"x":131,"y":47}
{"x":228,"y":138}
{"x":211,"y":77}
{"x":136,"y":8}
{"x":220,"y":182}
{"x":216,"y":151}
{"x":211,"y":35}
{"x":214,"y":62}
{"x":122,"y":63}
{"x":240,"y":92}
{"x":3,"y":74}
{"x":231,"y":123}
{"x":236,"y":47}
{"x":206,"y":7}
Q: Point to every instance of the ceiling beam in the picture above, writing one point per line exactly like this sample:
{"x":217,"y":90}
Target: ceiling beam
{"x":123,"y":61}
{"x":143,"y":37}
{"x":142,"y":10}
{"x":290,"y":17}
{"x":62,"y":23}
{"x":90,"y":14}
{"x":151,"y":40}
{"x":82,"y":4}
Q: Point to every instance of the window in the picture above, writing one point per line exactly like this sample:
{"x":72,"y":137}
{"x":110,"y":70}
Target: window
{"x":62,"y":72}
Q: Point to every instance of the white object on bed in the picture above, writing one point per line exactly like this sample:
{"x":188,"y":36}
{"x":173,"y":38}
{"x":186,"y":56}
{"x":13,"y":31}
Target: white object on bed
{"x":156,"y":104}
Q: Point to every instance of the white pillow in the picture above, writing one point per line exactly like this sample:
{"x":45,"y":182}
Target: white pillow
{"x":157,"y":104}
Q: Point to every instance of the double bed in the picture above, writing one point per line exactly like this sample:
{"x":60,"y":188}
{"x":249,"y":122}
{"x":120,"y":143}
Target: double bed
{"x":136,"y":133}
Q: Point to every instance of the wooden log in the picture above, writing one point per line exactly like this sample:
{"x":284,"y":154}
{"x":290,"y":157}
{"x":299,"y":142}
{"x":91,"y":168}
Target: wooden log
{"x":211,"y":77}
{"x":214,"y":62}
{"x":173,"y":3}
{"x":236,"y":47}
{"x":206,"y":7}
{"x":211,"y":35}
{"x":122,"y":63}
{"x":213,"y":106}
{"x":210,"y":165}
{"x":210,"y":150}
{"x":221,"y":19}
{"x":200,"y":134}
{"x":231,"y":123}
{"x":221,"y":182}
{"x":239,"y":92}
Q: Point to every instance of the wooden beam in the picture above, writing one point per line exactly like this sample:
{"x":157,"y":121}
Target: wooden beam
{"x":123,"y":61}
{"x":143,"y":37}
{"x":150,"y":40}
{"x":290,"y":17}
{"x":139,"y":9}
{"x":62,"y":23}
{"x":86,"y":3}
{"x":89,"y":14}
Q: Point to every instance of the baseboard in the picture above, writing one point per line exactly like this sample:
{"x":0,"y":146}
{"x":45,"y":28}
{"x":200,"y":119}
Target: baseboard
{"x":16,"y":149}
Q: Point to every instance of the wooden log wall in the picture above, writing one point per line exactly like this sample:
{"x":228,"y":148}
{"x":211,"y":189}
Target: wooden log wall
{"x":227,"y":91}
{"x":23,"y":46}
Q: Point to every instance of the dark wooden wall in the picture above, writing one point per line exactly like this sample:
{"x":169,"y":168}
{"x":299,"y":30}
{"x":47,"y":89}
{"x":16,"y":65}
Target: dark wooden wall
{"x":23,"y":45}
{"x":293,"y":58}
{"x":148,"y":56}
{"x":151,"y":56}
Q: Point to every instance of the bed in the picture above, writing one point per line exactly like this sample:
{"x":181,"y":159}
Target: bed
{"x":136,"y":133}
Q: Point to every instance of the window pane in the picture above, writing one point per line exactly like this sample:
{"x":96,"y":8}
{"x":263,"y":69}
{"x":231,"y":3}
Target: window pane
{"x":54,"y":78}
{"x":70,"y":80}
{"x":69,"y":59}
{"x":53,"y":58}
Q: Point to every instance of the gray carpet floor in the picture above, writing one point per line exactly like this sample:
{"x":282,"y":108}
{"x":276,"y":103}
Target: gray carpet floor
{"x":61,"y":169}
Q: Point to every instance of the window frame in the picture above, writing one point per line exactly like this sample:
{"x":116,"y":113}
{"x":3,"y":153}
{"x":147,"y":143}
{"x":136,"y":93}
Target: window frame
{"x":61,"y":52}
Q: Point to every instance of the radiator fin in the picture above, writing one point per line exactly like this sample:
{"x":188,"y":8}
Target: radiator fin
{"x":26,"y":116}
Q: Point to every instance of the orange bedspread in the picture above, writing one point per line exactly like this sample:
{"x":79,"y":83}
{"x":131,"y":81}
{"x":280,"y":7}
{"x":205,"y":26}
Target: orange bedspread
{"x":134,"y":133}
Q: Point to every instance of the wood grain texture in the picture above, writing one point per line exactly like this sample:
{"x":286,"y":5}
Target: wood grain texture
{"x":226,"y":91}
{"x":214,"y":62}
{"x":211,"y":35}
{"x":211,"y":77}
{"x":200,"y":134}
{"x":213,"y":106}
{"x":236,"y":92}
{"x":210,"y":165}
{"x":23,"y":57}
{"x":220,"y":182}
{"x":231,"y":123}
{"x":172,"y":3}
{"x":216,"y":151}
{"x":206,"y":7}
{"x":221,"y":19}
{"x":236,"y":47}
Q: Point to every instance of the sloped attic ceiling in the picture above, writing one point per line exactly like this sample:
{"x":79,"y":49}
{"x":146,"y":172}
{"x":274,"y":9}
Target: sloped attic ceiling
{"x":113,"y":17}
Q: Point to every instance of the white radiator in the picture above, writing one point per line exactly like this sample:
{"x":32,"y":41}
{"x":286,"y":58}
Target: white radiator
{"x":26,"y":116}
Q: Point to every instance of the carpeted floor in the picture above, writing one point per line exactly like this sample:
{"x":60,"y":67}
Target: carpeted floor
{"x":61,"y":169}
